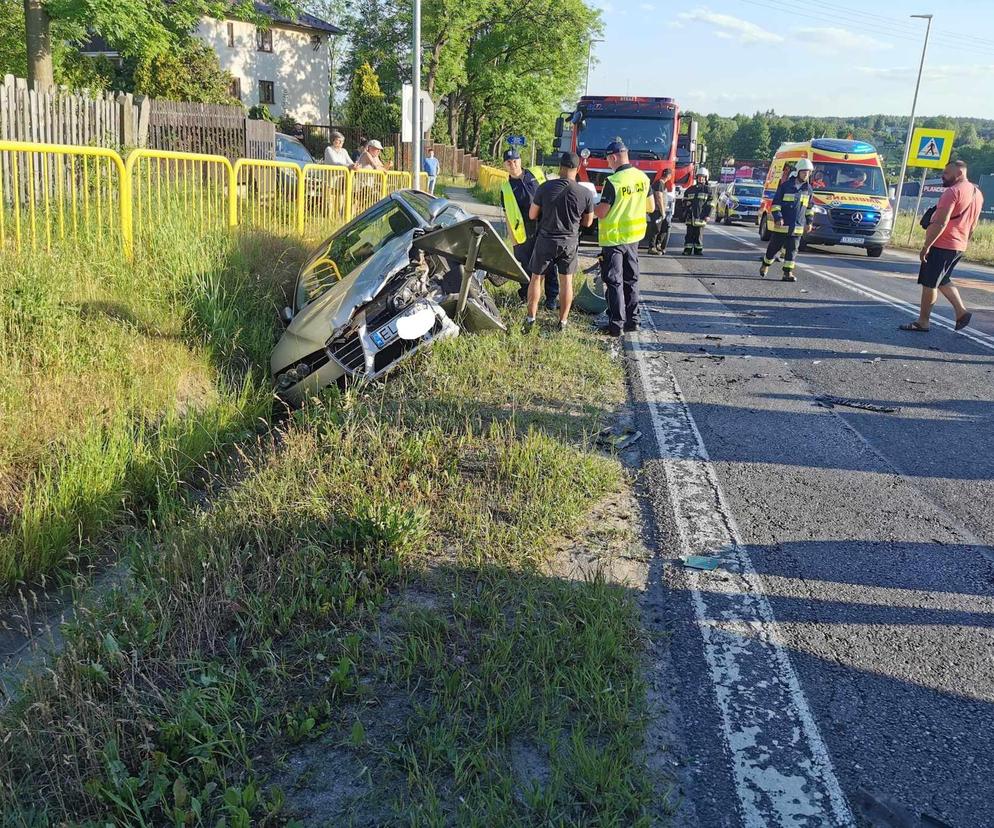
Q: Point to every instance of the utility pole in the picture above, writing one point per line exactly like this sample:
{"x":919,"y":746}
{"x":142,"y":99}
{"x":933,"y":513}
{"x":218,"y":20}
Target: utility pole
{"x":911,"y":120}
{"x":590,"y":46}
{"x":416,"y":97}
{"x":38,"y":37}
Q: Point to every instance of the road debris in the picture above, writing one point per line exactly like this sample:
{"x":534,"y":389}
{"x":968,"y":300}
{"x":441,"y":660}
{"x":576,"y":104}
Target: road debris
{"x":705,"y":562}
{"x":829,"y":401}
{"x":617,"y":439}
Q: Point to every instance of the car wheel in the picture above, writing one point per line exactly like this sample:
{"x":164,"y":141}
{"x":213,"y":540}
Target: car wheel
{"x":874,"y":252}
{"x":764,"y":231}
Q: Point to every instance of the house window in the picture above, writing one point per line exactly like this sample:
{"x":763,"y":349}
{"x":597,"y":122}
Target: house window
{"x":264,"y":40}
{"x":235,"y":88}
{"x":267,"y":92}
{"x":231,"y":35}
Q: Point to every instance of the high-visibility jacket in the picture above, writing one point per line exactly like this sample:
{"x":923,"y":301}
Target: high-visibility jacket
{"x":794,"y":203}
{"x":517,"y":223}
{"x":626,"y":221}
{"x":698,"y":204}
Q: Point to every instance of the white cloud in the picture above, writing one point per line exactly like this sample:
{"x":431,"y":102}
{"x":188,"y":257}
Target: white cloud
{"x":941,"y":72}
{"x":728,"y":27}
{"x":647,"y":7}
{"x":833,"y":39}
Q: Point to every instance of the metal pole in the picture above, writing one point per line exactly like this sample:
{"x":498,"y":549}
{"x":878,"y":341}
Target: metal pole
{"x":586,"y":83}
{"x":416,"y":97}
{"x":918,"y":204}
{"x":911,"y":121}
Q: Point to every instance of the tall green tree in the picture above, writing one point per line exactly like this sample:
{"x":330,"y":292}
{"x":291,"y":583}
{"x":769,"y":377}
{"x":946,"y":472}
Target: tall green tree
{"x":752,"y":138}
{"x":367,"y":108}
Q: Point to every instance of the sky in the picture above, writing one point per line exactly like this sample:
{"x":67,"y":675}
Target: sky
{"x":799,"y":57}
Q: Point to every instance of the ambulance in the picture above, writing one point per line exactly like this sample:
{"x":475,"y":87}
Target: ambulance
{"x":850,"y":194}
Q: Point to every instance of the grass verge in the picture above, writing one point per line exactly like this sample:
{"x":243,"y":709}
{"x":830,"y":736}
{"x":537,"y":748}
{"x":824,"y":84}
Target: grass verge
{"x":981,"y":249}
{"x":367,"y":625}
{"x":486,"y":195}
{"x":117,"y":379}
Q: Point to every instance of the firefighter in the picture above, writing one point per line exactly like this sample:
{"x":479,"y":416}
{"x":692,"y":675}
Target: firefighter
{"x":698,"y":207}
{"x":516,"y":196}
{"x":662,"y":215}
{"x":792,"y":214}
{"x":621,"y":225}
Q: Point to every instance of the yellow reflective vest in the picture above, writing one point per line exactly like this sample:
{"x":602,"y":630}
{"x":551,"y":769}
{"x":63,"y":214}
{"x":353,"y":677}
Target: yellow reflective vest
{"x":626,"y":222}
{"x":515,"y":220}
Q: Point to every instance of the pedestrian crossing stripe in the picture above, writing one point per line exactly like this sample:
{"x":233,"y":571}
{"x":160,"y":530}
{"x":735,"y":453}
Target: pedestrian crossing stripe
{"x":931,"y":147}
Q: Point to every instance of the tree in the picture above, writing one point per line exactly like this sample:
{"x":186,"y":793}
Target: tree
{"x":752,"y":139}
{"x":192,"y":72}
{"x":367,"y":108}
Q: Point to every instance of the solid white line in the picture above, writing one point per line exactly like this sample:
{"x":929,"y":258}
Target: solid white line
{"x":980,"y":337}
{"x":782,"y":769}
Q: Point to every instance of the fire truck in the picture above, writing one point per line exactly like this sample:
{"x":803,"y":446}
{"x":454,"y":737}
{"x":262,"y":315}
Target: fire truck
{"x":651,"y":128}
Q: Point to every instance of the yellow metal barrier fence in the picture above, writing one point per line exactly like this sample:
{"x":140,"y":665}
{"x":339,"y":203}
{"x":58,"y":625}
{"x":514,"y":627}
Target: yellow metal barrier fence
{"x":50,"y":193}
{"x":398,"y":180}
{"x":327,"y":199}
{"x":269,"y":195}
{"x":491,"y":178}
{"x":368,"y":187}
{"x":194,"y":185}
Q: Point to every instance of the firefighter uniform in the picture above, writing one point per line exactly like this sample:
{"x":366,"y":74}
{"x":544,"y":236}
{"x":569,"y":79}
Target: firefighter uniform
{"x":516,"y":198}
{"x":619,"y":234}
{"x":793,"y":204}
{"x":697,"y":201}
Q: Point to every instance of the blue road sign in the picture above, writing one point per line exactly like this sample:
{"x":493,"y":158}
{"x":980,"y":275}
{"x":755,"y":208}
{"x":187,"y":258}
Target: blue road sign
{"x":516,"y":140}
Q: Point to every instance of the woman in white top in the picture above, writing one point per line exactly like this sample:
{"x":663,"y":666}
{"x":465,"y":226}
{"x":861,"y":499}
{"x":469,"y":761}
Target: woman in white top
{"x":335,"y":153}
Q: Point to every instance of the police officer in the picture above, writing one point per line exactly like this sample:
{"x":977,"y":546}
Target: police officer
{"x":662,"y":215}
{"x":698,"y":207}
{"x":621,"y":215}
{"x":792,"y":212}
{"x":516,"y":195}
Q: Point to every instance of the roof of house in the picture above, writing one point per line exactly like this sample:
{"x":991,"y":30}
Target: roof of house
{"x":96,"y":45}
{"x":303,"y":20}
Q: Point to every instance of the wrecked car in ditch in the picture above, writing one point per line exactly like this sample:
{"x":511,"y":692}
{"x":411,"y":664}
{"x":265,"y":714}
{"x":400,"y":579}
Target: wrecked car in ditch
{"x":408,"y":271}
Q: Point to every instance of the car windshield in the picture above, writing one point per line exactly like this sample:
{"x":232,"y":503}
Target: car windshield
{"x":641,"y":135}
{"x":287,"y":148}
{"x":747,"y":190}
{"x":849,"y":178}
{"x":351,"y":248}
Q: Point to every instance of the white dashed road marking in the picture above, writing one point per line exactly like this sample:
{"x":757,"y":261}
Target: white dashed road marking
{"x":781,"y":768}
{"x":981,"y":338}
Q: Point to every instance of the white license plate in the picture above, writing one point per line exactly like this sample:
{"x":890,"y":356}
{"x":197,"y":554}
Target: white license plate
{"x":852,"y":240}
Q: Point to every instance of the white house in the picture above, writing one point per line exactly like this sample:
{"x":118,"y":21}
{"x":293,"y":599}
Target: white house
{"x":286,"y":65}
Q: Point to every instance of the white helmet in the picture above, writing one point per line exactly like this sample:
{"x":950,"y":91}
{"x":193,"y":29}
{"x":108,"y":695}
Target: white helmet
{"x":703,"y":171}
{"x":804,"y":164}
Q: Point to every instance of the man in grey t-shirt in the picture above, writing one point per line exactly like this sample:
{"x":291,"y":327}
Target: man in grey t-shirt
{"x":561,"y":207}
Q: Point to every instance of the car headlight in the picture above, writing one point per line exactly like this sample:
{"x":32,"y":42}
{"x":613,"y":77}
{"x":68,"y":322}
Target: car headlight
{"x":819,"y":210}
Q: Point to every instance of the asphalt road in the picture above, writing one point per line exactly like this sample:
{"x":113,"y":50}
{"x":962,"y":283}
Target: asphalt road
{"x":840,"y":660}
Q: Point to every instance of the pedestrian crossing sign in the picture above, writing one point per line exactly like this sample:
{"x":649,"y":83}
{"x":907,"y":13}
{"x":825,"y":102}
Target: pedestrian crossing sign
{"x":931,"y":147}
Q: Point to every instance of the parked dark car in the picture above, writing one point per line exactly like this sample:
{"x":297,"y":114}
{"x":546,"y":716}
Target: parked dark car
{"x":408,"y":271}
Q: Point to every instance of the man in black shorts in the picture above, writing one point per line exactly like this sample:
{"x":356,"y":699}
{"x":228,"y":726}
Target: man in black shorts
{"x":560,"y":207}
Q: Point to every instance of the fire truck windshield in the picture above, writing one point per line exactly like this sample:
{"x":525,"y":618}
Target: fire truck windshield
{"x":650,"y":136}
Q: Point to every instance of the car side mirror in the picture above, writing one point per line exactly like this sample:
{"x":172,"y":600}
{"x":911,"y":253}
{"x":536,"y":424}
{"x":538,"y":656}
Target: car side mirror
{"x":436,"y":208}
{"x":286,"y":316}
{"x":559,"y":126}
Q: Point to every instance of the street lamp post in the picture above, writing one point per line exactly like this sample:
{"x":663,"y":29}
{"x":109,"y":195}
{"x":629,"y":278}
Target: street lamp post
{"x":416,"y":96}
{"x":590,"y":46}
{"x":911,"y":121}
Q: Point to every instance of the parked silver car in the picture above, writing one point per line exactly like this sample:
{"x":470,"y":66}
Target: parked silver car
{"x":408,"y":271}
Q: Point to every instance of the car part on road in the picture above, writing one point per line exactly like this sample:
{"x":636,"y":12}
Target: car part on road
{"x":408,"y":271}
{"x":829,"y":401}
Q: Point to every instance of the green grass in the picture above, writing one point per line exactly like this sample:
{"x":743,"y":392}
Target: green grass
{"x":365,"y":620}
{"x":487,"y":196}
{"x":117,"y":379}
{"x":981,"y":248}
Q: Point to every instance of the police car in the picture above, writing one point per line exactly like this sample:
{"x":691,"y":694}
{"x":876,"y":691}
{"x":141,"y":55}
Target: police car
{"x":739,"y":201}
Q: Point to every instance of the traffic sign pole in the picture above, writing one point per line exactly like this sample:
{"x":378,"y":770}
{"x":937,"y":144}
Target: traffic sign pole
{"x":911,"y":120}
{"x":918,"y":204}
{"x":416,"y":97}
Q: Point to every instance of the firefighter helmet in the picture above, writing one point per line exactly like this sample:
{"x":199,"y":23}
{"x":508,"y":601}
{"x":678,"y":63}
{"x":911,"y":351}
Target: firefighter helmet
{"x":804,"y":164}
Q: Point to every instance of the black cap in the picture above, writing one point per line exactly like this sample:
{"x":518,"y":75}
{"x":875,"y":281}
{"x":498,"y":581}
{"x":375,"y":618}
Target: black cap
{"x":512,"y":155}
{"x":569,"y":161}
{"x":616,"y":146}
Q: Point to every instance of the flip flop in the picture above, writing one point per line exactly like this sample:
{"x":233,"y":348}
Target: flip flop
{"x":963,"y":321}
{"x":914,"y":326}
